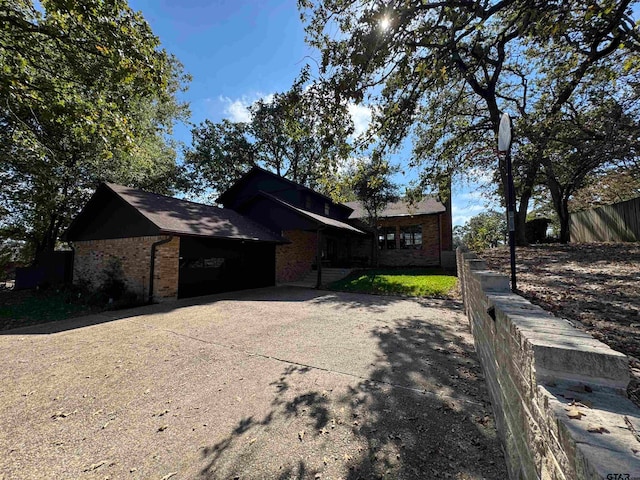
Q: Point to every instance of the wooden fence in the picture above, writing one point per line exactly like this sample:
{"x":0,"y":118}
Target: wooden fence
{"x":619,"y":222}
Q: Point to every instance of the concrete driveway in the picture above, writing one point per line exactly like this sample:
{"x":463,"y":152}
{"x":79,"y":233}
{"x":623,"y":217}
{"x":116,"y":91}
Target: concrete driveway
{"x":269,"y":383}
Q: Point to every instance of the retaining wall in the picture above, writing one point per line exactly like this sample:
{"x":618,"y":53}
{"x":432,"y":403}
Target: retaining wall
{"x":558,"y":395}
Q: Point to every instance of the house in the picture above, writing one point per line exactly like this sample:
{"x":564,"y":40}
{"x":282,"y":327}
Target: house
{"x":168,"y":248}
{"x":271,"y":230}
{"x":318,"y":228}
{"x":412,"y":234}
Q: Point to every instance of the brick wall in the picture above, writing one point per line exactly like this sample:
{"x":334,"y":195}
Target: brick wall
{"x":134,"y":256}
{"x":536,"y":365}
{"x":428,"y":255}
{"x":295,"y":259}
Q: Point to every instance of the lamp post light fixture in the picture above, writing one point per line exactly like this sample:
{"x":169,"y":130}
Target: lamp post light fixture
{"x":504,"y":147}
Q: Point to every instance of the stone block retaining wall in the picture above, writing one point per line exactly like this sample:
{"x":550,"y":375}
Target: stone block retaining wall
{"x":558,"y":394}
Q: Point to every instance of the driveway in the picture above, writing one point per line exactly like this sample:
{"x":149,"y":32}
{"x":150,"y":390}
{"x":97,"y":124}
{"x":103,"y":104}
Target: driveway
{"x":271,"y":383}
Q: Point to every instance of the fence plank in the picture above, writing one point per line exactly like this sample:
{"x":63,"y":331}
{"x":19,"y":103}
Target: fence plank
{"x":619,"y":222}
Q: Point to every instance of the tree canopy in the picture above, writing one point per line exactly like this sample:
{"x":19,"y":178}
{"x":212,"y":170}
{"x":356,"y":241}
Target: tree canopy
{"x":301,"y":134}
{"x":483,"y":231}
{"x":87,"y":95}
{"x":444,"y":72}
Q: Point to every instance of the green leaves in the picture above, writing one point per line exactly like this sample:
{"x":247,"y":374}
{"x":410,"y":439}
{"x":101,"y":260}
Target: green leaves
{"x":301,"y":134}
{"x":87,"y":95}
{"x":443,"y":73}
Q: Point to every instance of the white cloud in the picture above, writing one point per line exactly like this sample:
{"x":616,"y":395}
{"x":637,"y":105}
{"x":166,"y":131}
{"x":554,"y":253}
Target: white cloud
{"x":461,"y":215}
{"x":361,"y":116}
{"x":238,"y":110}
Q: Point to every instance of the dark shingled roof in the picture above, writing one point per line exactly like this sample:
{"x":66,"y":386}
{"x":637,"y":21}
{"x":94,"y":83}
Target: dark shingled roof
{"x":401,"y":208}
{"x":321,"y":219}
{"x":181,"y":217}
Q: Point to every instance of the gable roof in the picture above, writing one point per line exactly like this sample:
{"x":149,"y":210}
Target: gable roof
{"x":181,"y":217}
{"x":321,"y":219}
{"x":255,"y":170}
{"x":401,"y":208}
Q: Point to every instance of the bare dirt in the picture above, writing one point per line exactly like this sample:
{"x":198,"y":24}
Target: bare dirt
{"x":596,"y":286}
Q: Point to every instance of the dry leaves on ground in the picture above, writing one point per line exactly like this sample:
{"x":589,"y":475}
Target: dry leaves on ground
{"x":594,"y":285}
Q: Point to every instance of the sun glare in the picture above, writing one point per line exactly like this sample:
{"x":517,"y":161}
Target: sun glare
{"x":385,"y":23}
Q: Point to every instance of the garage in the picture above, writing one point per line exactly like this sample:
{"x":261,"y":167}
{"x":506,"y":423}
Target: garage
{"x":163,"y":248}
{"x":212,"y":265}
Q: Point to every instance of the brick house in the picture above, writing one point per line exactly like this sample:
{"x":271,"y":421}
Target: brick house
{"x":319,"y":229}
{"x":418,"y":234}
{"x":271,"y":230}
{"x":168,"y":248}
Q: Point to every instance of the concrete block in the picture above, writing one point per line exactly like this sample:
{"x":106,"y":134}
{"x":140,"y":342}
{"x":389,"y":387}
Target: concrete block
{"x":491,"y":281}
{"x":559,"y":357}
{"x":476,"y":264}
{"x":596,"y":455}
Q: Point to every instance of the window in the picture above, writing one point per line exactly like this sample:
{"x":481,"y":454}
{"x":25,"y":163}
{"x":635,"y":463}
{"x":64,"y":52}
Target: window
{"x":387,"y":238}
{"x":307,"y":202}
{"x":411,"y":237}
{"x":326,"y":209}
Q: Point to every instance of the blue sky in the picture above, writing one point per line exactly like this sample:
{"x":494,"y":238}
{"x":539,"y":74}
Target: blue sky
{"x":240,"y":50}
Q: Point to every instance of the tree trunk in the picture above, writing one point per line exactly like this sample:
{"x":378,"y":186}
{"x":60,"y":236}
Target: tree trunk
{"x":48,"y":242}
{"x":374,"y":246}
{"x":560,"y":203}
{"x":565,"y":217}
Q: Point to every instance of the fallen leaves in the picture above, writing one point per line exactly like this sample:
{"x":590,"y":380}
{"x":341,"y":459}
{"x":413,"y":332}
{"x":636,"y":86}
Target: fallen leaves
{"x":593,"y":284}
{"x":61,"y":414}
{"x":574,"y":413}
{"x":597,"y":429}
{"x":95,"y":466}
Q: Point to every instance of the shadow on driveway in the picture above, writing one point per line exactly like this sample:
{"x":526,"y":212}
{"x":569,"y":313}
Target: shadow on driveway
{"x":421,"y":413}
{"x":283,"y":383}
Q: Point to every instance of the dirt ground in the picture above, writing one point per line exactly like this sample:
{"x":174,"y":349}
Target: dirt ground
{"x":278,"y":383}
{"x":597,"y":286}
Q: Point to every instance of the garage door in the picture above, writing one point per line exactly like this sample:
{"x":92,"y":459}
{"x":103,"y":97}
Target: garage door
{"x":213,"y":266}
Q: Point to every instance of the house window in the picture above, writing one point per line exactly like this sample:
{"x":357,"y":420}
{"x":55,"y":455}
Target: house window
{"x":411,"y":237}
{"x":387,"y":238}
{"x":307,"y":202}
{"x":326,"y":209}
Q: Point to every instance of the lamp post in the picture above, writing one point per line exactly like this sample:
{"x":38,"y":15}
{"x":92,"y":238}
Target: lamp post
{"x":504,"y":147}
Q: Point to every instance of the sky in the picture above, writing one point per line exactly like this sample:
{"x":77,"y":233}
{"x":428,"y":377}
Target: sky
{"x":238,"y":51}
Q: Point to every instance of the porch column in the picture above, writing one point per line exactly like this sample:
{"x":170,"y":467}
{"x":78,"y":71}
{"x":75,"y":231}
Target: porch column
{"x":319,"y":256}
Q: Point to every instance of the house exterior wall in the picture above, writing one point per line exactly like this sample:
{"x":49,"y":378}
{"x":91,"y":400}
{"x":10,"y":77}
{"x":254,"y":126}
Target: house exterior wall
{"x":133,"y":255}
{"x":446,"y":231}
{"x":295,"y":259}
{"x":428,"y":255}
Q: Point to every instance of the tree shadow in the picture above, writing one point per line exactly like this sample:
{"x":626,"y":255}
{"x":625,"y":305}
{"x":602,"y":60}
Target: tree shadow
{"x":422,"y":411}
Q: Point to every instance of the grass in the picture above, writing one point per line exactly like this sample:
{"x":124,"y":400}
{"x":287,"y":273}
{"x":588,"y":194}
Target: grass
{"x":416,"y":282}
{"x":20,"y":308}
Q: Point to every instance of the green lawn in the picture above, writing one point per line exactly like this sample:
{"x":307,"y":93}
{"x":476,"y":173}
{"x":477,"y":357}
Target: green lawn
{"x":417,"y":282}
{"x":20,"y":308}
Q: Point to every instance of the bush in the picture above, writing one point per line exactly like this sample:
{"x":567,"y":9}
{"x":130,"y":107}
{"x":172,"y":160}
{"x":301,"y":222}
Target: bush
{"x":113,"y":285}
